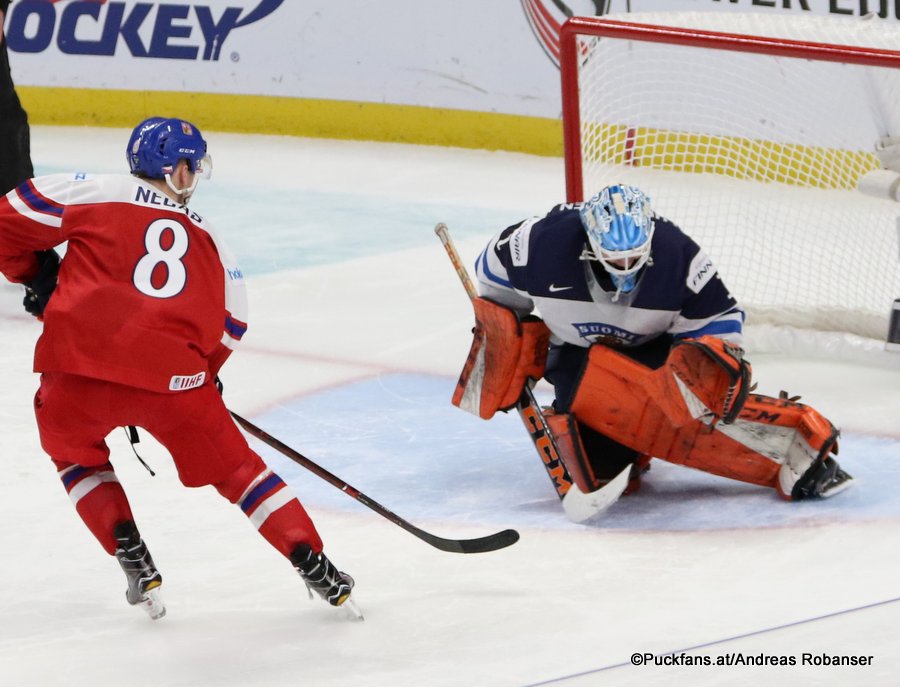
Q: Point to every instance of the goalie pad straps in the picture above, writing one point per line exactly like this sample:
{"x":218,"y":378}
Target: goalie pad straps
{"x":771,"y":443}
{"x":506,"y":351}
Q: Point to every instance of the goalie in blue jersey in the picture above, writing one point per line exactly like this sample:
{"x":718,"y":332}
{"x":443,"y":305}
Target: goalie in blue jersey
{"x":629,"y":320}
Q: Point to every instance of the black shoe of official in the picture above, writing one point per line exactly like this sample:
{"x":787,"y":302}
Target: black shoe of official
{"x":824,"y":478}
{"x":142,"y":575}
{"x":321,"y":576}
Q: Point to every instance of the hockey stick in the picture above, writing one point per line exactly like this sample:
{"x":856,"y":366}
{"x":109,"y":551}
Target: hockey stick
{"x":577,"y":505}
{"x":491,"y":542}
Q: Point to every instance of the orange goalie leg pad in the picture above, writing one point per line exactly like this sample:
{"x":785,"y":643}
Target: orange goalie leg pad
{"x":800,"y":434}
{"x":571,"y":450}
{"x":574,"y":456}
{"x":619,"y":398}
{"x":641,"y":465}
{"x":772,"y":443}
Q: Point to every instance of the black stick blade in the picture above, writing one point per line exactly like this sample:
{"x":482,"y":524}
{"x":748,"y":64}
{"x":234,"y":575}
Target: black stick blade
{"x":491,"y":542}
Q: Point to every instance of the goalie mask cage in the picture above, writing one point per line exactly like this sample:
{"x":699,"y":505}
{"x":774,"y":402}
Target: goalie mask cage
{"x":750,"y":132}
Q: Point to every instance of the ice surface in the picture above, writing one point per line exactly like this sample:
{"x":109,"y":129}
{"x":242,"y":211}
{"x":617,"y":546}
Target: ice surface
{"x":358,"y":329}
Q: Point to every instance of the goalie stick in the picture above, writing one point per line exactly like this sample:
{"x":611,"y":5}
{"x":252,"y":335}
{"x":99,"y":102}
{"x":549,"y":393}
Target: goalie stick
{"x":577,"y":505}
{"x":491,"y":542}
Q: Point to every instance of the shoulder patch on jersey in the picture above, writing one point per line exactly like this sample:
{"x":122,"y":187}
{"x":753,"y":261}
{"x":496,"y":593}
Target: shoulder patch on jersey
{"x":700,"y":272}
{"x":518,"y":242}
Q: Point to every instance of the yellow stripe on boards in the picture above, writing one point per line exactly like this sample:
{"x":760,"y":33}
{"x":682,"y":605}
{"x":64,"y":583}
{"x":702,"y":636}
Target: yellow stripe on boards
{"x":297,"y":117}
{"x":607,"y":144}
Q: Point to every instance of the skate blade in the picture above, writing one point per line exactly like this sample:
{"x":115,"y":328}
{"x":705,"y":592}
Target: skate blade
{"x":837,"y":488}
{"x":152,"y":604}
{"x":351,"y":610}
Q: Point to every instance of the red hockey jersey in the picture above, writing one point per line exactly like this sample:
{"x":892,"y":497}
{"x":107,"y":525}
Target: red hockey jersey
{"x":148,"y":295}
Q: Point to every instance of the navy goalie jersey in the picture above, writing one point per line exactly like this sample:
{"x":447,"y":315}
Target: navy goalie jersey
{"x":540,"y":266}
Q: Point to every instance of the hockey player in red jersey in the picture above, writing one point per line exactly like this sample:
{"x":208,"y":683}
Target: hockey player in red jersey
{"x":139,"y":317}
{"x":642,"y":343}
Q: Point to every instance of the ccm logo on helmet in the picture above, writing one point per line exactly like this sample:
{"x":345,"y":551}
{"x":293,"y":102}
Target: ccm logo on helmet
{"x":33,"y":25}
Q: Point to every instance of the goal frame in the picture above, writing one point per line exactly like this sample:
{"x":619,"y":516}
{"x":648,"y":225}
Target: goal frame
{"x":700,"y":38}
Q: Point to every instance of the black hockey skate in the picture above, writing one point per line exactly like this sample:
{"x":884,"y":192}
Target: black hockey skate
{"x":323,"y":578}
{"x":144,"y":579}
{"x":824,"y":478}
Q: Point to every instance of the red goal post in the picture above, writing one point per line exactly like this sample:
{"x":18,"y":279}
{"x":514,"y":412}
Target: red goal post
{"x":751,"y":134}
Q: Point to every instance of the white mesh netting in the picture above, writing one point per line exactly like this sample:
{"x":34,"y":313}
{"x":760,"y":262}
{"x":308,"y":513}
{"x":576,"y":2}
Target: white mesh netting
{"x":757,"y":157}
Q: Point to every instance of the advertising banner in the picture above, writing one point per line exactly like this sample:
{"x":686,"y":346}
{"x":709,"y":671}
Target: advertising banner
{"x":494,"y":58}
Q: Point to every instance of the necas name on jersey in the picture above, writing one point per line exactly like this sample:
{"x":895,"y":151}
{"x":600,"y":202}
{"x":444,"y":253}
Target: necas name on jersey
{"x":150,"y":197}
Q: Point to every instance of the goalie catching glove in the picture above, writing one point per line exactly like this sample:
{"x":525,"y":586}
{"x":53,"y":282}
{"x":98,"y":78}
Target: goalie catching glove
{"x":711,"y":377}
{"x":506,"y":352}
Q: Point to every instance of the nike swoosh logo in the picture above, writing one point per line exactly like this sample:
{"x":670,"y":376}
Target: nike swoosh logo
{"x":506,"y":240}
{"x":554,"y":288}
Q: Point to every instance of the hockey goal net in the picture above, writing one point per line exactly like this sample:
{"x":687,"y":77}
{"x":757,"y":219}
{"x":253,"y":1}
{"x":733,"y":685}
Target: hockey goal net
{"x":750,"y":132}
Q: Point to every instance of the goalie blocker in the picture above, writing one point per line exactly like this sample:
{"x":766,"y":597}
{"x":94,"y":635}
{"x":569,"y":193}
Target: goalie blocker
{"x":506,"y":351}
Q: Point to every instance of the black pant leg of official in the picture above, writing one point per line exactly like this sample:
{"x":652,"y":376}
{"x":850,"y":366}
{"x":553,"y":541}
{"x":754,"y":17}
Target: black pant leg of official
{"x":15,"y":136}
{"x":15,"y":154}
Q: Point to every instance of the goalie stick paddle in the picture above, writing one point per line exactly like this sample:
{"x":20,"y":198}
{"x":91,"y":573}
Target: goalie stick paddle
{"x":491,"y":542}
{"x":577,"y":505}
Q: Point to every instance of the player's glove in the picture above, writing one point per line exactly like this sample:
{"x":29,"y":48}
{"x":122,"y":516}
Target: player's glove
{"x":39,"y":289}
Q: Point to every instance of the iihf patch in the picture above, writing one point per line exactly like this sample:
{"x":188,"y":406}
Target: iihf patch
{"x":185,"y":382}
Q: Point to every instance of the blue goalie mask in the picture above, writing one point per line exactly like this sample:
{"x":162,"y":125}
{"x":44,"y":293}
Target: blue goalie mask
{"x":619,"y":225}
{"x":156,"y":146}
